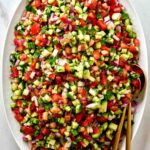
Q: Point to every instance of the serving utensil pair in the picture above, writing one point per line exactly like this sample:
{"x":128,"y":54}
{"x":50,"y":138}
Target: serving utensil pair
{"x":127,"y":109}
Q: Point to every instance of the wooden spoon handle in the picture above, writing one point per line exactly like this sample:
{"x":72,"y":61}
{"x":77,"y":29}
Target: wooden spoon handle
{"x":118,"y":134}
{"x":128,"y":136}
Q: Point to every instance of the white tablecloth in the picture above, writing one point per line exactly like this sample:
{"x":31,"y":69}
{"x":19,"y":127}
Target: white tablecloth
{"x":141,"y":141}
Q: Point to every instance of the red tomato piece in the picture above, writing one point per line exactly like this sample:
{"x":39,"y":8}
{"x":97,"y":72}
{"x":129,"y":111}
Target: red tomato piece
{"x":56,"y":97}
{"x":52,"y":76}
{"x":35,"y":29}
{"x":96,"y":130}
{"x":33,"y":64}
{"x":45,"y":131}
{"x":82,"y":22}
{"x":39,"y":137}
{"x":96,"y":54}
{"x":27,"y":129}
{"x":91,"y":16}
{"x":67,"y":67}
{"x":102,"y":25}
{"x":80,"y":115}
{"x":15,"y":72}
{"x":58,"y":79}
{"x":103,"y":78}
{"x":82,"y":91}
{"x":37,"y":3}
{"x":64,"y":19}
{"x":27,"y":76}
{"x":91,"y":4}
{"x":89,"y":119}
{"x":122,"y":62}
{"x":23,"y":57}
{"x":94,"y":84}
{"x":102,"y":119}
{"x":117,"y":9}
{"x":19,"y":117}
{"x":136,"y":83}
{"x":136,"y":42}
{"x":132,"y":49}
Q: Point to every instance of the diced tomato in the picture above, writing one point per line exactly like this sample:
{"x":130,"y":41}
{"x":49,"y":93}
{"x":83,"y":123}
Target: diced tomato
{"x":33,"y":64}
{"x":32,"y":107}
{"x":62,"y":130}
{"x":136,"y":42}
{"x":82,"y":22}
{"x":96,"y":130}
{"x":103,"y":47}
{"x":52,"y":76}
{"x":35,"y":28}
{"x":123,"y":45}
{"x":117,"y":79}
{"x":89,"y":119}
{"x":117,"y":9}
{"x":91,"y":16}
{"x":19,"y":103}
{"x":105,"y":6}
{"x":27,"y":76}
{"x":102,"y":25}
{"x":64,"y":19}
{"x":39,"y":137}
{"x":122,"y":62}
{"x":56,"y":97}
{"x":81,"y":47}
{"x":91,"y":4}
{"x":136,"y":83}
{"x":70,"y":77}
{"x":102,"y":119}
{"x":103,"y":78}
{"x":39,"y":73}
{"x":82,"y":91}
{"x":113,"y":2}
{"x":94,"y":84}
{"x":124,"y":74}
{"x":23,"y":57}
{"x":15,"y":72}
{"x":58,"y":79}
{"x":67,"y":67}
{"x":27,"y":129}
{"x":73,"y":25}
{"x":68,"y":50}
{"x":45,"y":131}
{"x":55,"y":3}
{"x":37,"y":3}
{"x":16,"y":110}
{"x":132,"y":49}
{"x":110,"y":104}
{"x":80,"y":115}
{"x":19,"y":117}
{"x":96,"y":54}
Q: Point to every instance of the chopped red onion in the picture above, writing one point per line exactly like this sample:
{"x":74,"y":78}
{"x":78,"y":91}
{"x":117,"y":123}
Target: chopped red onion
{"x":71,"y":10}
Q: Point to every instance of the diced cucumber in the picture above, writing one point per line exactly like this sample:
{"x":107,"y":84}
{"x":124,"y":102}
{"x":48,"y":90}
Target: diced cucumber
{"x":78,"y":108}
{"x":60,"y":69}
{"x":70,"y":95}
{"x":74,"y":125}
{"x":93,"y":92}
{"x":103,"y":107}
{"x":26,"y":92}
{"x":113,"y":126}
{"x":109,"y":134}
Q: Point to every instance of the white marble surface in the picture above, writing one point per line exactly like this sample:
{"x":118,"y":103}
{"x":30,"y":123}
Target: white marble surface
{"x":141,"y":141}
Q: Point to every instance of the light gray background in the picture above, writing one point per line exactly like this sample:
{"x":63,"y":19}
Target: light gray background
{"x":141,"y":141}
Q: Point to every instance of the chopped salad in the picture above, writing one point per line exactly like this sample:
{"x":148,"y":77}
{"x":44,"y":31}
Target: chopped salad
{"x":71,"y":72}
